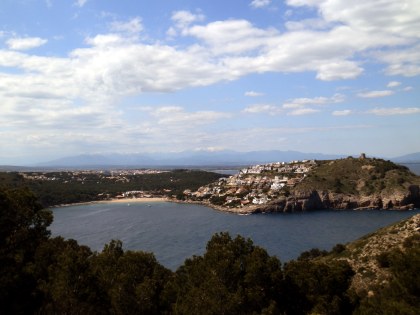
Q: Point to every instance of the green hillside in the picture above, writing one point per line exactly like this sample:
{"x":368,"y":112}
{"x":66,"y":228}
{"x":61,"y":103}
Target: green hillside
{"x":361,"y":177}
{"x":386,"y":265}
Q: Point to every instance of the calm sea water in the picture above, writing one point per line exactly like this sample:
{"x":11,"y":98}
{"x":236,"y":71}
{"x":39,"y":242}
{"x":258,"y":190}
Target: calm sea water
{"x":414,"y":167}
{"x":174,"y":232}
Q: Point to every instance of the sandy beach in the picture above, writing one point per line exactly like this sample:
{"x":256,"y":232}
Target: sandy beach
{"x":115,"y":200}
{"x":133,"y":200}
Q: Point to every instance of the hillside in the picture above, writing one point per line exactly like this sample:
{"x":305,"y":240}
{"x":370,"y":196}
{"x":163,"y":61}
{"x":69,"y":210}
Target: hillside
{"x":64,"y":187}
{"x":360,"y":183}
{"x":350,"y":183}
{"x":374,"y":257}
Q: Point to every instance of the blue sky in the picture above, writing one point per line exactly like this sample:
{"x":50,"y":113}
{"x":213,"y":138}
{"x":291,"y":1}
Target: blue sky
{"x":96,"y":76}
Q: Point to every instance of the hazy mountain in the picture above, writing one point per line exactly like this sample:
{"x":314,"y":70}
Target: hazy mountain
{"x":186,"y":158}
{"x":413,"y":157}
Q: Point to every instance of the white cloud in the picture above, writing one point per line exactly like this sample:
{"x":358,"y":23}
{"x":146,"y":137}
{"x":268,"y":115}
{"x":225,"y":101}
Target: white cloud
{"x":307,"y":24}
{"x":175,"y":115}
{"x":369,"y":16}
{"x":375,"y":94}
{"x":394,"y":111}
{"x":253,"y":94}
{"x":339,"y":70}
{"x":132,"y":26}
{"x":260,"y":3}
{"x":210,"y":149}
{"x":330,"y":45}
{"x":407,"y":88}
{"x":302,"y":111}
{"x":403,"y":61}
{"x":373,"y":23}
{"x":80,"y":3}
{"x":393,"y":84}
{"x":184,"y":18}
{"x":321,"y":100}
{"x":25,"y":43}
{"x":263,"y":108}
{"x":344,"y":112}
{"x":231,"y":36}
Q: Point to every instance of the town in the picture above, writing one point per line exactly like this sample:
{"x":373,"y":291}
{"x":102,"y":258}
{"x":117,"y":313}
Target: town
{"x":255,"y":185}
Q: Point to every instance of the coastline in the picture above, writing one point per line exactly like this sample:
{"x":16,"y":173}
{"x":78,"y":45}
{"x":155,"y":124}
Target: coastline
{"x":114,"y":200}
{"x":239,"y":211}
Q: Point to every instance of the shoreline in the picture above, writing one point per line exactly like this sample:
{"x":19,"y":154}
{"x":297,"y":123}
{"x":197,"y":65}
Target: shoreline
{"x":239,"y":211}
{"x":113,"y":200}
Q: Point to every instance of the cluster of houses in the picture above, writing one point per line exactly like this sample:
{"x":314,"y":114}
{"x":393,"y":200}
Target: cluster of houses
{"x":126,"y":172}
{"x":82,"y":175}
{"x":255,"y":185}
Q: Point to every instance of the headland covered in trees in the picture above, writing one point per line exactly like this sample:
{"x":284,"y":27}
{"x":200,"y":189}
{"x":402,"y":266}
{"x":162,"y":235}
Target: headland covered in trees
{"x":45,"y":275}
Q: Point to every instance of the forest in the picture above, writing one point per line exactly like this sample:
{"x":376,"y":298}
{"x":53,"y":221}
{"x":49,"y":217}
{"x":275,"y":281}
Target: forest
{"x":42,"y":274}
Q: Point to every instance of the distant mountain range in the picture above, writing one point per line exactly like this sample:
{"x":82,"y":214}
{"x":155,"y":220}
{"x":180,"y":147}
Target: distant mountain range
{"x":226,"y":158}
{"x":186,"y":158}
{"x":408,"y":158}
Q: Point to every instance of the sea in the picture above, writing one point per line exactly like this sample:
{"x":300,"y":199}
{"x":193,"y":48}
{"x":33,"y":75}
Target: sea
{"x":175,"y":232}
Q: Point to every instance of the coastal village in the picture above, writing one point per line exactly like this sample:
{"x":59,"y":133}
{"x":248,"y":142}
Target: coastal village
{"x":252,"y":186}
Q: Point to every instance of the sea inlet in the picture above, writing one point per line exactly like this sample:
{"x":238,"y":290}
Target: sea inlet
{"x":174,"y":232}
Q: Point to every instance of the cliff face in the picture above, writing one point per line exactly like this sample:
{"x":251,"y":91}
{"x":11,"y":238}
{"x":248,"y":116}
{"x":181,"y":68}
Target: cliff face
{"x":352,"y":184}
{"x":307,"y":200}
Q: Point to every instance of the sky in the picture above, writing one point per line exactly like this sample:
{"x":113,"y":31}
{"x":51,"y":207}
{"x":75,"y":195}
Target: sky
{"x":106,"y":76}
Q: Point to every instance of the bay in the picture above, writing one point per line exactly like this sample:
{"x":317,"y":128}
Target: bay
{"x":174,"y":232}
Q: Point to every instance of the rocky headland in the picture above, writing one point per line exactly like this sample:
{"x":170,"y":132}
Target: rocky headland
{"x":351,"y":183}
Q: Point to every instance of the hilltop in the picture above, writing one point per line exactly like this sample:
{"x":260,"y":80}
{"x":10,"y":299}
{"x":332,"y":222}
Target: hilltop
{"x":348,"y":183}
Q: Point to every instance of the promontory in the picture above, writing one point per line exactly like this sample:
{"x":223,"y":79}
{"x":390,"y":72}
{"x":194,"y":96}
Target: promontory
{"x":350,"y":183}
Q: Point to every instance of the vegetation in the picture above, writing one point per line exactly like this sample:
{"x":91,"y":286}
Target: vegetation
{"x":362,"y":177}
{"x":45,"y":275}
{"x":402,"y":294}
{"x":56,"y":188}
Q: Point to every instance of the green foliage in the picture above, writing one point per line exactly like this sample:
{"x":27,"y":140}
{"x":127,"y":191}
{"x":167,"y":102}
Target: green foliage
{"x":402,"y":295}
{"x":218,"y":200}
{"x":359,"y":177}
{"x":23,"y":227}
{"x":66,"y":282}
{"x":312,"y":254}
{"x":133,"y":281}
{"x":64,"y":187}
{"x":338,"y":249}
{"x":233,"y":277}
{"x":320,"y":288}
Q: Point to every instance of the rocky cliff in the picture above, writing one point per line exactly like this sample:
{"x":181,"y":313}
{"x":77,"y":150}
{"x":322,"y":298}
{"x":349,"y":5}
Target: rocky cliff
{"x":307,"y":200}
{"x":352,"y":184}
